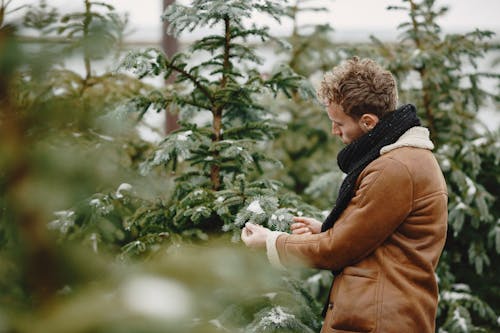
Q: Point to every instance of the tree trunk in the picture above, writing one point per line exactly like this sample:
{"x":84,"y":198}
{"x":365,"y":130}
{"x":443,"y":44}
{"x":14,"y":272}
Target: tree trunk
{"x":217,"y":111}
{"x":424,"y":79}
{"x":86,"y":56}
{"x":39,"y":261}
{"x":170,"y":47}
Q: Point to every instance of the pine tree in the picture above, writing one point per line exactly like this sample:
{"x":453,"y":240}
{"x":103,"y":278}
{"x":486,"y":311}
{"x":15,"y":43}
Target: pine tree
{"x":52,"y":151}
{"x":219,"y":186}
{"x":306,"y":148}
{"x":94,"y":33}
{"x":86,"y":111}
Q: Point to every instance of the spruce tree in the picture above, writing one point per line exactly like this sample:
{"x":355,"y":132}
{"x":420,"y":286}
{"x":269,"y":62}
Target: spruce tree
{"x":84,"y":110}
{"x":55,"y":151}
{"x":219,"y":186}
{"x":307,"y":148}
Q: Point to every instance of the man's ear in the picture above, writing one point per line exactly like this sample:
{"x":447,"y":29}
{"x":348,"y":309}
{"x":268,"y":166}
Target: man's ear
{"x":368,"y":121}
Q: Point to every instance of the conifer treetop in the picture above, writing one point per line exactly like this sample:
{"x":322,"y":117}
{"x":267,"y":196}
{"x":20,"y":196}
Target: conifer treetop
{"x":201,"y":13}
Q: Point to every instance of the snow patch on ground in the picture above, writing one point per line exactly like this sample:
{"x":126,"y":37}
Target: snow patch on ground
{"x":156,"y":297}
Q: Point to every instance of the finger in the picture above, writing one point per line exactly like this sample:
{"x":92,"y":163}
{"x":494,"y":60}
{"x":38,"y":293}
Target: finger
{"x":251,"y":227}
{"x":302,"y":219}
{"x":300,"y":231}
{"x":297,"y":226}
{"x":254,"y":225}
{"x":308,"y":233}
{"x":244,"y":236}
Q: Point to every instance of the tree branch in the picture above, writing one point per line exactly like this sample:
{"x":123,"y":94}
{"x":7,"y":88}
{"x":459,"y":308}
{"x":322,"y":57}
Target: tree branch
{"x":197,"y":83}
{"x":423,"y":76}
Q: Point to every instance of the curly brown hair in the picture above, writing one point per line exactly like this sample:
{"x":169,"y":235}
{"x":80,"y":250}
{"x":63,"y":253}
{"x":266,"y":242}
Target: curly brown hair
{"x":360,"y":86}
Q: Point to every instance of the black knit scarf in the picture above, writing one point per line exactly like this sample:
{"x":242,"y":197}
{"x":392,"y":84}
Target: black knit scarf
{"x":358,"y":154}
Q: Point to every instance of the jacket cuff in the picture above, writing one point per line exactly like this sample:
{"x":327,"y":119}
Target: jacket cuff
{"x":272,"y":250}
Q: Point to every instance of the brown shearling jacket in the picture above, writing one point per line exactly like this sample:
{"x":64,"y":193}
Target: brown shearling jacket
{"x":386,"y":244}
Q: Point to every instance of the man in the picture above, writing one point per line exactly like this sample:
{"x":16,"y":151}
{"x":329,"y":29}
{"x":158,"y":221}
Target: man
{"x":387,"y":229}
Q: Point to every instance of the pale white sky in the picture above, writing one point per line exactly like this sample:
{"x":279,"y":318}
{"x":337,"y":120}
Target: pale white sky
{"x":351,"y":19}
{"x":344,"y":15}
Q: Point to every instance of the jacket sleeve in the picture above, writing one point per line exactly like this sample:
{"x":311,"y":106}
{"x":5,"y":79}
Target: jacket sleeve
{"x":381,"y":203}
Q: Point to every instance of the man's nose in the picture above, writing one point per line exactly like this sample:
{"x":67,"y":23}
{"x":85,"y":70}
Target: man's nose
{"x":336,"y":130}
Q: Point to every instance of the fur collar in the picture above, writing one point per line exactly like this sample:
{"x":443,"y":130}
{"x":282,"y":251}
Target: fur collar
{"x":417,"y":137}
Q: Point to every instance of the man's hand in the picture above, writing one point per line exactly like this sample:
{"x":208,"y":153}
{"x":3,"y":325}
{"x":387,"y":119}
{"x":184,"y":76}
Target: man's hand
{"x":254,"y":235}
{"x":305,"y":226}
